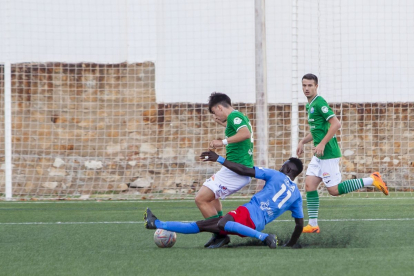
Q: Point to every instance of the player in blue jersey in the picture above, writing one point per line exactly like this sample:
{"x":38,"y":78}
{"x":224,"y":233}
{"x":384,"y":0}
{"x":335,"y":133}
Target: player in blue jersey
{"x":278,"y":195}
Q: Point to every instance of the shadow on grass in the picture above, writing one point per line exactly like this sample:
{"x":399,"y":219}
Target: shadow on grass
{"x":332,"y":237}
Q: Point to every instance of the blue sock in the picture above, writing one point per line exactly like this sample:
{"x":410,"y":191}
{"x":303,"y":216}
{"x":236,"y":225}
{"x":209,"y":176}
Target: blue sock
{"x":238,"y":228}
{"x":179,"y":227}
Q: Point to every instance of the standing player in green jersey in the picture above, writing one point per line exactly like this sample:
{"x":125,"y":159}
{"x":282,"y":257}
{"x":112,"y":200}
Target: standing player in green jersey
{"x":324,"y":165}
{"x":239,"y":149}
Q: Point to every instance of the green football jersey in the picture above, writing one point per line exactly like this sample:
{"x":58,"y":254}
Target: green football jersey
{"x":241,"y":152}
{"x":319,"y":114}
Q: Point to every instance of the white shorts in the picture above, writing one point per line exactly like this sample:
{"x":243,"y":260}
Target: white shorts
{"x":226,"y":182}
{"x":327,"y":169}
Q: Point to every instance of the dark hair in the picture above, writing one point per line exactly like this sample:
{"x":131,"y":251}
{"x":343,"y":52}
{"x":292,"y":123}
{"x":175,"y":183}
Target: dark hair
{"x":218,"y":98}
{"x":310,"y":77}
{"x":298,"y":163}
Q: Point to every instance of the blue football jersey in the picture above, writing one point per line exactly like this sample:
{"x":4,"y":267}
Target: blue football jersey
{"x":279,"y":194}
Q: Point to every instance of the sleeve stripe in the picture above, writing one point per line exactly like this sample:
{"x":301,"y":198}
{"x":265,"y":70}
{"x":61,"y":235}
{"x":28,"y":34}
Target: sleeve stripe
{"x":237,"y":130}
{"x":327,"y":119}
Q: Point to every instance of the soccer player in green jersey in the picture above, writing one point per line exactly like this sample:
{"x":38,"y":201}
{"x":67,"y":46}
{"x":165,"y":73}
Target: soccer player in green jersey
{"x":239,"y":149}
{"x":324,"y":165}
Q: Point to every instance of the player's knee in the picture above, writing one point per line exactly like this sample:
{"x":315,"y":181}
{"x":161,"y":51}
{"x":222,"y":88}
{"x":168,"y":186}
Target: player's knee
{"x":312,"y":183}
{"x":222,"y":223}
{"x":199,"y":200}
{"x":333,"y":193}
{"x":309,"y":187}
{"x":204,"y":196}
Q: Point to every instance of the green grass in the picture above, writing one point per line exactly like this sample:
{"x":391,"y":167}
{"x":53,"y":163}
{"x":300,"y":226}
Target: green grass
{"x":356,"y":245}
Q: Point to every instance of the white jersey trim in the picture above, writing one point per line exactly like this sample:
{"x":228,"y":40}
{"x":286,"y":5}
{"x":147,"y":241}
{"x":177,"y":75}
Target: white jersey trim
{"x":241,"y":127}
{"x":327,"y":119}
{"x":313,"y":99}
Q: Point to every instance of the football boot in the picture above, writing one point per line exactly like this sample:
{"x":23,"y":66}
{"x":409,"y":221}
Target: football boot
{"x":379,"y":183}
{"x":311,"y":229}
{"x":271,"y":241}
{"x":220,"y":241}
{"x":149,"y":219}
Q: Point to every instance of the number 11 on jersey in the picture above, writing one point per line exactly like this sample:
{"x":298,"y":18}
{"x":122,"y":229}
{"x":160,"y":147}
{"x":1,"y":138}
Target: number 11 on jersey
{"x":278,"y":194}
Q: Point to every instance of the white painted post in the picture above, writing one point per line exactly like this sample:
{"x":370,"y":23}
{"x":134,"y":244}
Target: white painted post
{"x":262,"y":136}
{"x":294,"y":123}
{"x":7,"y":130}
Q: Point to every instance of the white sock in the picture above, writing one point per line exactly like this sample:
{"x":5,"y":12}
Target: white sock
{"x":368,"y":181}
{"x":313,"y":222}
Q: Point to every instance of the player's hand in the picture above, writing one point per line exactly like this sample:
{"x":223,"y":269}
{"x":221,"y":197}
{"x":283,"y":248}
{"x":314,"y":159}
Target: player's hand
{"x":216,"y":144}
{"x":318,"y":150}
{"x":299,"y":150}
{"x":209,"y":156}
{"x":220,"y":122}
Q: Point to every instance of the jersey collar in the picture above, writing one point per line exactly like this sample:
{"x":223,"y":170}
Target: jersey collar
{"x":314,"y":99}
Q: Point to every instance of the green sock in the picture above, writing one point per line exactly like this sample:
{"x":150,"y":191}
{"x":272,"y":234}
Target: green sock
{"x":312,"y":199}
{"x":350,"y":185}
{"x":220,"y":213}
{"x":215,"y":216}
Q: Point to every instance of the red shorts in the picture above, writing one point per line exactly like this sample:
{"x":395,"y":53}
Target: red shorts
{"x":242,"y":216}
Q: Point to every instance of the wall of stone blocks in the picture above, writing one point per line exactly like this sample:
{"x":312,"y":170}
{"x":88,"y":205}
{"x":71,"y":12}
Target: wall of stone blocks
{"x":97,"y":129}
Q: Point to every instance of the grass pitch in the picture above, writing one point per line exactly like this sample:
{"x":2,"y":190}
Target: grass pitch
{"x":358,"y":237}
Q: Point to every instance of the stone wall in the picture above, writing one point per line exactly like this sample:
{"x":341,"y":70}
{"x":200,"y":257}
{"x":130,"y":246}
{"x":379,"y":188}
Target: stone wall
{"x":84,"y":129}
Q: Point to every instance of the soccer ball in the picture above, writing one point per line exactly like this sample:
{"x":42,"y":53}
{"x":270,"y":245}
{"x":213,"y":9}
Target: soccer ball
{"x":164,"y":238}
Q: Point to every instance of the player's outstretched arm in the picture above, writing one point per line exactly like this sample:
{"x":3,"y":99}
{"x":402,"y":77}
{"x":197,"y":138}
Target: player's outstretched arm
{"x":302,"y":142}
{"x":334,"y":127}
{"x":217,"y":120}
{"x":296,"y":233}
{"x":241,"y":135}
{"x":235,"y":167}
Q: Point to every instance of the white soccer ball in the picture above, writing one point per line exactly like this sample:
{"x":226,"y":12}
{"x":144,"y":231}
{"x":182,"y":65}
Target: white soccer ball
{"x":164,"y":238}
